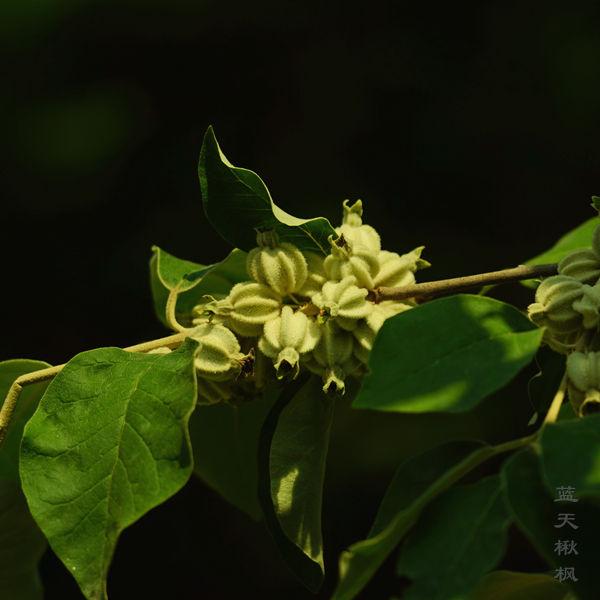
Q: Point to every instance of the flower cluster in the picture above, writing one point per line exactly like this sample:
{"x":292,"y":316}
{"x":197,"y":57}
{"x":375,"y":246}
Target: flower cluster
{"x":567,"y":305}
{"x":300,"y":311}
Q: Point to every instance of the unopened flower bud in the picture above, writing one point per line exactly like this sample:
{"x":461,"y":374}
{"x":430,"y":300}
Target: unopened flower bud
{"x":248,"y":307}
{"x":397,"y":270}
{"x":553,"y":307}
{"x":583,"y":373}
{"x":355,"y":260}
{"x":353,"y":230}
{"x":287,"y":337}
{"x":282,"y":267}
{"x":316,"y":276}
{"x":332,"y":357}
{"x":218,"y":357}
{"x":344,"y":302}
{"x":588,"y":306}
{"x":583,"y":265}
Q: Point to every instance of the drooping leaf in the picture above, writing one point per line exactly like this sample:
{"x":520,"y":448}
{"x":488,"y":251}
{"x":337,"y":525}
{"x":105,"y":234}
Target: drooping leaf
{"x":21,"y":542}
{"x":459,"y":537}
{"x":225,"y":442}
{"x":360,"y":562}
{"x":537,"y":515}
{"x":192,"y":281}
{"x":571,"y":455}
{"x":293,"y":450}
{"x":580,"y":237}
{"x":107,"y":443}
{"x":447,"y":355}
{"x":237,"y":203}
{"x":511,"y":585}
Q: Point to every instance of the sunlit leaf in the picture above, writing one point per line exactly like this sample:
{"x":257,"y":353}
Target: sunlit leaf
{"x":107,"y":443}
{"x":238,"y":203}
{"x":447,"y":355}
{"x":293,"y":450}
{"x":192,"y":281}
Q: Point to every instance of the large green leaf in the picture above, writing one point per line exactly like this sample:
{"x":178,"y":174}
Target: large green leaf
{"x":445,"y":465}
{"x":447,"y":355}
{"x":21,"y":542}
{"x":580,"y":237}
{"x":107,"y":443}
{"x":238,"y":203}
{"x":571,"y":455}
{"x":192,"y":281}
{"x":225,"y":441}
{"x":536,"y":514}
{"x":510,"y":585}
{"x":459,"y":537}
{"x":293,"y":450}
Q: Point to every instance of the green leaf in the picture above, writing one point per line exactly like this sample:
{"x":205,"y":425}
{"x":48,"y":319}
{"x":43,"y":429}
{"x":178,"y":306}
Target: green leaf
{"x":21,"y":546}
{"x":192,"y":281}
{"x":510,"y":585}
{"x":596,"y":202}
{"x":293,"y":450}
{"x":447,"y":355}
{"x":446,"y":465}
{"x":580,"y":237}
{"x":21,"y":542}
{"x":458,"y":539}
{"x":225,"y":442}
{"x":536,"y":514}
{"x":237,"y":203}
{"x":571,"y":455}
{"x":25,"y":407}
{"x":107,"y":443}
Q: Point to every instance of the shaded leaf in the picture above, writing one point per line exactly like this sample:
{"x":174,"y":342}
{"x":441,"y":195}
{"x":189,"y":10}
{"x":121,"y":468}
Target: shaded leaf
{"x":293,"y":450}
{"x":571,"y":455}
{"x":225,"y":444}
{"x":580,"y":237}
{"x":21,"y":546}
{"x":536,"y":514}
{"x":21,"y":542}
{"x":107,"y":443}
{"x":193,"y":281}
{"x":510,"y":585}
{"x":459,"y":537}
{"x":447,"y":355}
{"x":360,"y":562}
{"x":237,"y":203}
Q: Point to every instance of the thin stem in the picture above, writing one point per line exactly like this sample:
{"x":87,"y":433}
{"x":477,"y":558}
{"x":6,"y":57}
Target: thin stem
{"x":10,"y":402}
{"x":170,"y":311}
{"x":557,"y":401}
{"x":458,"y":284}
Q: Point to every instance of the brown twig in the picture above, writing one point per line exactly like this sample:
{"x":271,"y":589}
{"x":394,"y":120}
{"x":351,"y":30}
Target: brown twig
{"x":459,"y":284}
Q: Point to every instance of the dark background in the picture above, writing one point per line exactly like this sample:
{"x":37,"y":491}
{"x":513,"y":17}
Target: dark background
{"x":473,"y":131}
